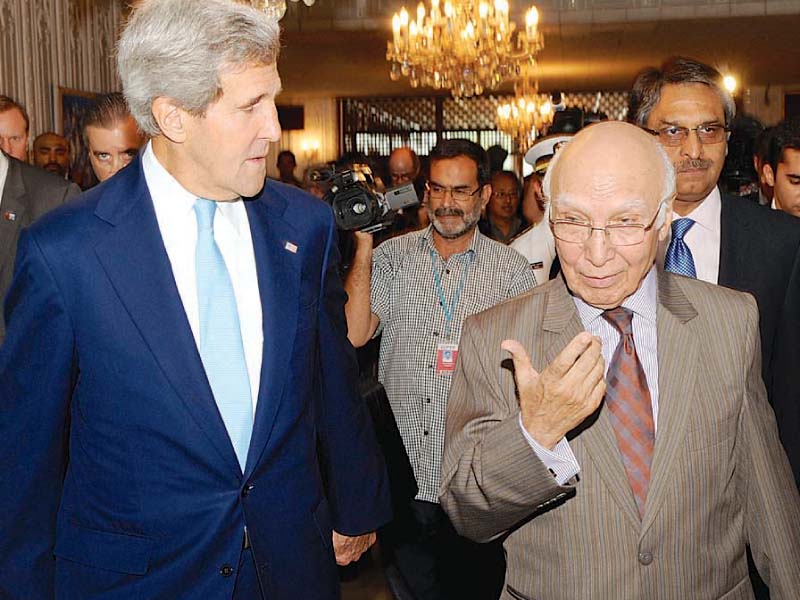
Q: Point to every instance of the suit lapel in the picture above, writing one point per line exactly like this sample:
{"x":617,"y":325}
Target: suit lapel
{"x":136,"y":262}
{"x":13,"y":202}
{"x":279,"y":272}
{"x":561,"y":324}
{"x":678,"y":357}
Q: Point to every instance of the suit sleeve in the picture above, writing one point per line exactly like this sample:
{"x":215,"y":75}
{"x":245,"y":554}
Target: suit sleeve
{"x":491,"y":478}
{"x":785,"y":385}
{"x":36,"y":379}
{"x":355,"y":474}
{"x":772,"y":518}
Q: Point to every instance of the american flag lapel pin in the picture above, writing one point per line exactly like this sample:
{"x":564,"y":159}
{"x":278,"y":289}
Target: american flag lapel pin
{"x":291,"y":247}
{"x":10,"y":215}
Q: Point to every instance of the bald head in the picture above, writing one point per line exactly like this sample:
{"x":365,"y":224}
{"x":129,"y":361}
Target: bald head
{"x":611,"y":151}
{"x":610,"y":189}
{"x":403,"y":165}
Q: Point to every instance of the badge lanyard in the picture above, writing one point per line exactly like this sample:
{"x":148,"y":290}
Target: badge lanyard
{"x":449,"y":307}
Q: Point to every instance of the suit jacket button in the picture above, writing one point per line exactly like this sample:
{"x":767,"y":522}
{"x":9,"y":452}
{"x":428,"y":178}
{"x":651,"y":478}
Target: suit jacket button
{"x":226,"y":571}
{"x":247,"y":489}
{"x":645,"y":558}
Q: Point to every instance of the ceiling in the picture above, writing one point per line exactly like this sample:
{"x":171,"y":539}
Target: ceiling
{"x":339,"y":49}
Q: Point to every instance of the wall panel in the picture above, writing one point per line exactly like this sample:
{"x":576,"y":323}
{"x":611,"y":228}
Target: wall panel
{"x":49,"y":43}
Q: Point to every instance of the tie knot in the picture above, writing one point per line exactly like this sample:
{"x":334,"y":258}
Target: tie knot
{"x":621,"y":318}
{"x":680,"y":227}
{"x":205,"y":209}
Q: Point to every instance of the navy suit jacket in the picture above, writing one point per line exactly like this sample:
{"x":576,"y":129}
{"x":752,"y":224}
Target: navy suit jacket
{"x":118,"y":477}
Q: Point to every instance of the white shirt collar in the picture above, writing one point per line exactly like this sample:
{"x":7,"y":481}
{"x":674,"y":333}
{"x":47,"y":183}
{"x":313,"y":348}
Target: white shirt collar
{"x":174,"y":202}
{"x":3,"y":173}
{"x":707,"y":214}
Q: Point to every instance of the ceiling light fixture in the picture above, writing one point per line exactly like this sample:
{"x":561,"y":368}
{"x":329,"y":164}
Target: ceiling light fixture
{"x":275,"y":8}
{"x":527,"y":114}
{"x":464,"y":46}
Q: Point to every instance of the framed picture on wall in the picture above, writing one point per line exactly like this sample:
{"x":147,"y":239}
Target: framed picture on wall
{"x":70,"y":106}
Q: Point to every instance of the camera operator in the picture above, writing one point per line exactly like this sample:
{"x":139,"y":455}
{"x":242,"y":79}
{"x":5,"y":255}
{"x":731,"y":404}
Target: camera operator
{"x":417,"y":289}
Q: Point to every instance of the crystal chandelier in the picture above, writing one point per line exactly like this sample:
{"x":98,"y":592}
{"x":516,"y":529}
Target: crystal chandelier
{"x":275,"y":8}
{"x":465,"y":46}
{"x":527,"y":113}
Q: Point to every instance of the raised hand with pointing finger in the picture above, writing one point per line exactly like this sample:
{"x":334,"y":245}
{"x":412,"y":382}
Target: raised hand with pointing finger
{"x":566,"y":392}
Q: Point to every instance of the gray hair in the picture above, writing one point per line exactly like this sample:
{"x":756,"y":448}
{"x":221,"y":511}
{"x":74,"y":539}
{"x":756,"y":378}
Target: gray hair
{"x":646,"y":92}
{"x":668,"y":183}
{"x":179,"y":48}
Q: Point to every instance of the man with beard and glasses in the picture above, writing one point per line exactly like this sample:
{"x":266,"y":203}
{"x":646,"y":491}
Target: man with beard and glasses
{"x":723,"y":239}
{"x":417,"y":289}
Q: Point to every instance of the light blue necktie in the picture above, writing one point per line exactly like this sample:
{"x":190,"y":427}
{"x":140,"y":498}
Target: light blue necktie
{"x":221,"y":348}
{"x":679,"y":257}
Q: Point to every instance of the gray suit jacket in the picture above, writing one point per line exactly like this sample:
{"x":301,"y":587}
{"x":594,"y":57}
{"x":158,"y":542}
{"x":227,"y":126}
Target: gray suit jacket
{"x":719,"y":479}
{"x":28,"y":193}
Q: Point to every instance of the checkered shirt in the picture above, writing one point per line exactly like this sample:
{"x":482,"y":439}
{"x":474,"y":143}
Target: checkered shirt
{"x":405,"y":299}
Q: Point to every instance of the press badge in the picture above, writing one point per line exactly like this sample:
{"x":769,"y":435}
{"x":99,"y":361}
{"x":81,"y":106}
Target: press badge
{"x":446,"y":355}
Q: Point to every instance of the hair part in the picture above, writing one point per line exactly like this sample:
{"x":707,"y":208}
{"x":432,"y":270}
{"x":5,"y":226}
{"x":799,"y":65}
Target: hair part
{"x":453,"y":148}
{"x":178,"y":49}
{"x":646,"y":90}
{"x":7,"y":103}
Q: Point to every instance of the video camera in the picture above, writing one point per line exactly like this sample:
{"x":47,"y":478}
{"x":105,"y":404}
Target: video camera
{"x":358,"y":205}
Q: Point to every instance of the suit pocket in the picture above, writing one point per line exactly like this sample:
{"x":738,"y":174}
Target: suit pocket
{"x":517,"y":594}
{"x":741,"y":591}
{"x":116,"y":552}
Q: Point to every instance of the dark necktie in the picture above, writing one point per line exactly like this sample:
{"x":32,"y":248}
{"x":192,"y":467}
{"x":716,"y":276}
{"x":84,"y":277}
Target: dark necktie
{"x":679,"y":257}
{"x":630,"y":408}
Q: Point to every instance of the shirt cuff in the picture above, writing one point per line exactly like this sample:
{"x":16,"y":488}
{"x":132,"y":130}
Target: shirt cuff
{"x":560,"y":460}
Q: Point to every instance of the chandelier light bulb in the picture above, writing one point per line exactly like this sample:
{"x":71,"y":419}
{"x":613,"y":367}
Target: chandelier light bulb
{"x":729,"y":83}
{"x":467,"y":47}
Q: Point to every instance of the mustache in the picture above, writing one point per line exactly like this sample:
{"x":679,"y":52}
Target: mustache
{"x":448,"y":212}
{"x":691,"y":164}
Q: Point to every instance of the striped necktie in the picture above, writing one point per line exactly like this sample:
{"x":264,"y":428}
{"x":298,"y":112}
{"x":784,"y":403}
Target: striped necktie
{"x":630,"y":407}
{"x":679,"y":257}
{"x":221,"y":347}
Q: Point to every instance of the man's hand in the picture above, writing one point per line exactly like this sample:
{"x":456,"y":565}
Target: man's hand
{"x":564,"y":394}
{"x":364,"y":241}
{"x":349,"y":549}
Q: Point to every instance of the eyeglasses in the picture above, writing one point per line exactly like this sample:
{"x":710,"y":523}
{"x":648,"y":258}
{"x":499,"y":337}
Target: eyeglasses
{"x":674,"y":135}
{"x":627,"y":234}
{"x":437,"y":192}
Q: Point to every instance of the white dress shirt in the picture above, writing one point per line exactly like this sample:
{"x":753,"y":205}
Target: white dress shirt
{"x":703,"y":238}
{"x":174,"y":207}
{"x":3,"y":174}
{"x":644,"y":304}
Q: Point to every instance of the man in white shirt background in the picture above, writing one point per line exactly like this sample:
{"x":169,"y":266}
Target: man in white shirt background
{"x":719,"y":238}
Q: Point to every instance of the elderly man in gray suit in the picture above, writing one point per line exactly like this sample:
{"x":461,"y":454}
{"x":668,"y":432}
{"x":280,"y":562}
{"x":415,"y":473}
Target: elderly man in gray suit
{"x":630,"y":453}
{"x":26,"y":193}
